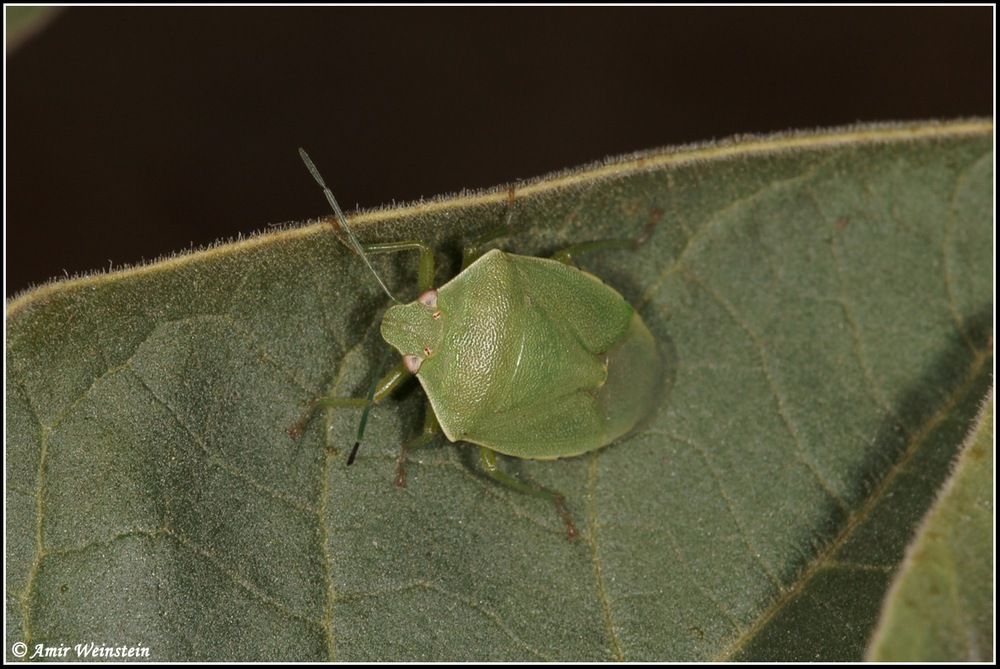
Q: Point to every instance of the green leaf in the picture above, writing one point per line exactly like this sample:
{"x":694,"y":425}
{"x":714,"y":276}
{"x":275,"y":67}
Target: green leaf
{"x":940,"y":607}
{"x":824,"y":302}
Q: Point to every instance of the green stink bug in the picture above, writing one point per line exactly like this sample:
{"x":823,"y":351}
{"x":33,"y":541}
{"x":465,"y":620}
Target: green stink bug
{"x":528,"y":357}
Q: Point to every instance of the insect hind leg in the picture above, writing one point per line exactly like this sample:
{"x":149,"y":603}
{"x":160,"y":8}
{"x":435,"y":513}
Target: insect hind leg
{"x":489,"y":460}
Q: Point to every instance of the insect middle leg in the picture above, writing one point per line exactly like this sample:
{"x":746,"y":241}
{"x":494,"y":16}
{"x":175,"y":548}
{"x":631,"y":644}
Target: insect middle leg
{"x":430,"y":430}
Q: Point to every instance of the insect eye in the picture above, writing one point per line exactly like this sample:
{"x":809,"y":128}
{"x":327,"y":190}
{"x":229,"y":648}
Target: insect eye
{"x":412,"y":363}
{"x":428,"y":298}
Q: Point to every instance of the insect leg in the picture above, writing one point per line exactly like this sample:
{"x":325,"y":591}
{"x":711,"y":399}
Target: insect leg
{"x":425,"y":275}
{"x":566,"y":255}
{"x":489,"y":460}
{"x":430,"y":430}
{"x":386,"y":385}
{"x":471,"y":252}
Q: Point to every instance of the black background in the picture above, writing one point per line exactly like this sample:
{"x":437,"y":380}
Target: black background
{"x":134,"y":132}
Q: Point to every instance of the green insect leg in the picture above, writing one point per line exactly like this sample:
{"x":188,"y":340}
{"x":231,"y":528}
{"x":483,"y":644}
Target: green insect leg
{"x":472,"y":252}
{"x":431,"y":429}
{"x":386,"y":385}
{"x":425,"y":273}
{"x":489,"y":460}
{"x":566,"y":255}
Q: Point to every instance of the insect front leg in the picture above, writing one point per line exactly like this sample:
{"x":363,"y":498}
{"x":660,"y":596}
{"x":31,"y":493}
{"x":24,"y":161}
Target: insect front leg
{"x":425,"y":273}
{"x":489,"y":460}
{"x":385,"y":385}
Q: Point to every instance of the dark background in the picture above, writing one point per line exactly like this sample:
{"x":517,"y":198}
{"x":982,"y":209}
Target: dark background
{"x":135,"y":132}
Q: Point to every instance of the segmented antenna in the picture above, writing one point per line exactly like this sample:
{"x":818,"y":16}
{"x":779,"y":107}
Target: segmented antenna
{"x":343,"y":220}
{"x":368,"y":408}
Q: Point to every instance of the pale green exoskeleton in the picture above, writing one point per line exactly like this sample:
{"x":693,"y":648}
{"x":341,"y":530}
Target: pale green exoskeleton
{"x":529,"y":357}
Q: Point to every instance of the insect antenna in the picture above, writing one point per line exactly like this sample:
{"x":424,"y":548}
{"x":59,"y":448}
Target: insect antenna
{"x":342,"y":220}
{"x":368,"y":407}
{"x":359,"y":249}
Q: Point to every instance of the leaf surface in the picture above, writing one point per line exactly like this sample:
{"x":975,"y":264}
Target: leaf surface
{"x":824,"y":304}
{"x":940,"y":607}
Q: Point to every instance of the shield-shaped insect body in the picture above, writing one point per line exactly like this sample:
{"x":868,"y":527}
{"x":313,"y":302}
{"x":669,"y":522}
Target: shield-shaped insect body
{"x":529,"y":357}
